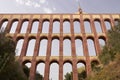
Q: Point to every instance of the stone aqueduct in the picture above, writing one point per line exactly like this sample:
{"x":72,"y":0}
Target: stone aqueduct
{"x":86,"y":59}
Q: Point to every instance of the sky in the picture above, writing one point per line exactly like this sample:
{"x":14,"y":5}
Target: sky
{"x":59,"y":6}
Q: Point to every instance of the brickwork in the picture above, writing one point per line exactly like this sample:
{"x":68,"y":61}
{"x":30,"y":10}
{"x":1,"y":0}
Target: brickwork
{"x":74,"y":59}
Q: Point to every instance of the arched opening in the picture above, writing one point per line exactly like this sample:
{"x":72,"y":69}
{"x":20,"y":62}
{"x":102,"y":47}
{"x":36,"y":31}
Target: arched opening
{"x":55,"y":47}
{"x":43,"y":47}
{"x":67,"y":47}
{"x":30,"y":48}
{"x":35,"y":26}
{"x":45,"y":27}
{"x":13,"y":27}
{"x":67,"y":71}
{"x":91,"y":47}
{"x":81,"y":71}
{"x":107,"y":24}
{"x":54,"y":71}
{"x":66,"y":27}
{"x":116,"y":21}
{"x":87,"y":26}
{"x":98,"y":26}
{"x":19,"y":47}
{"x":56,"y":27}
{"x":94,"y":65}
{"x":101,"y":43}
{"x":41,"y":69}
{"x":24,"y":26}
{"x":26,"y":68}
{"x":77,"y":27}
{"x":4,"y":25}
{"x":79,"y":47}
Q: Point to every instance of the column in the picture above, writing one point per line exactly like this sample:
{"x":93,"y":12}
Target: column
{"x":74,"y":65}
{"x":61,"y":50}
{"x":85,"y":47}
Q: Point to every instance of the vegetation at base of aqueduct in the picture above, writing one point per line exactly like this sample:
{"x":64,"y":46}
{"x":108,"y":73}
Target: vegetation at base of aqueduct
{"x":109,"y":69}
{"x":10,"y":69}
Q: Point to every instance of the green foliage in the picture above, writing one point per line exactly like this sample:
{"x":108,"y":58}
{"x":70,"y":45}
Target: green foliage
{"x":68,"y":76}
{"x":81,"y":74}
{"x":110,"y":58}
{"x":9,"y":68}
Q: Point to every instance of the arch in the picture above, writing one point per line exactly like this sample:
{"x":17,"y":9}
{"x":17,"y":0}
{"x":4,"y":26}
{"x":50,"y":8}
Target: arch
{"x":14,"y":26}
{"x":107,"y":24}
{"x":81,"y":69}
{"x":35,"y":26}
{"x":79,"y":47}
{"x":116,"y":21}
{"x":101,"y":42}
{"x":19,"y":47}
{"x":3,"y":25}
{"x":98,"y":26}
{"x":43,"y":47}
{"x":56,"y":27}
{"x":54,"y":71}
{"x":67,"y":47}
{"x":77,"y":27}
{"x":66,"y":26}
{"x":24,"y":26}
{"x":67,"y":69}
{"x":91,"y":47}
{"x":45,"y":26}
{"x":30,"y":48}
{"x":94,"y":65}
{"x":87,"y":26}
{"x":40,"y":68}
{"x":55,"y":47}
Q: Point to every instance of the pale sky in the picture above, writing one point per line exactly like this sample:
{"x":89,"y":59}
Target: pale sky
{"x":59,"y":6}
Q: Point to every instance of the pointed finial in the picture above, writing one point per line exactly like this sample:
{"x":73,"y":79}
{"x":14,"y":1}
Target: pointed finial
{"x":79,"y":8}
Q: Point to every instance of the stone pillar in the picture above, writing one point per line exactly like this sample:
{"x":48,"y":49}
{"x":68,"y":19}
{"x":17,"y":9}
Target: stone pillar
{"x":85,"y":47}
{"x":74,"y":65}
{"x":61,"y":50}
{"x":47,"y":63}
{"x":96,"y":41}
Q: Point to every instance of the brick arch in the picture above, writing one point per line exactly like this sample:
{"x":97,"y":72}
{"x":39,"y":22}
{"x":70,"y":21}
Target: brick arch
{"x":74,"y":59}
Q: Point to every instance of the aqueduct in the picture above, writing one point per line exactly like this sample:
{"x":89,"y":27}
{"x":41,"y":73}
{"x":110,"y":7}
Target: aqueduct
{"x":94,"y":34}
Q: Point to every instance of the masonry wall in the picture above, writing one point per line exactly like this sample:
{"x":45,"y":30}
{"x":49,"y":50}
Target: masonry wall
{"x":74,"y":59}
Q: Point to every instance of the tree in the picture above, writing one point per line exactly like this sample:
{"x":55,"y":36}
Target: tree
{"x":110,"y":58}
{"x":9,"y":67}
